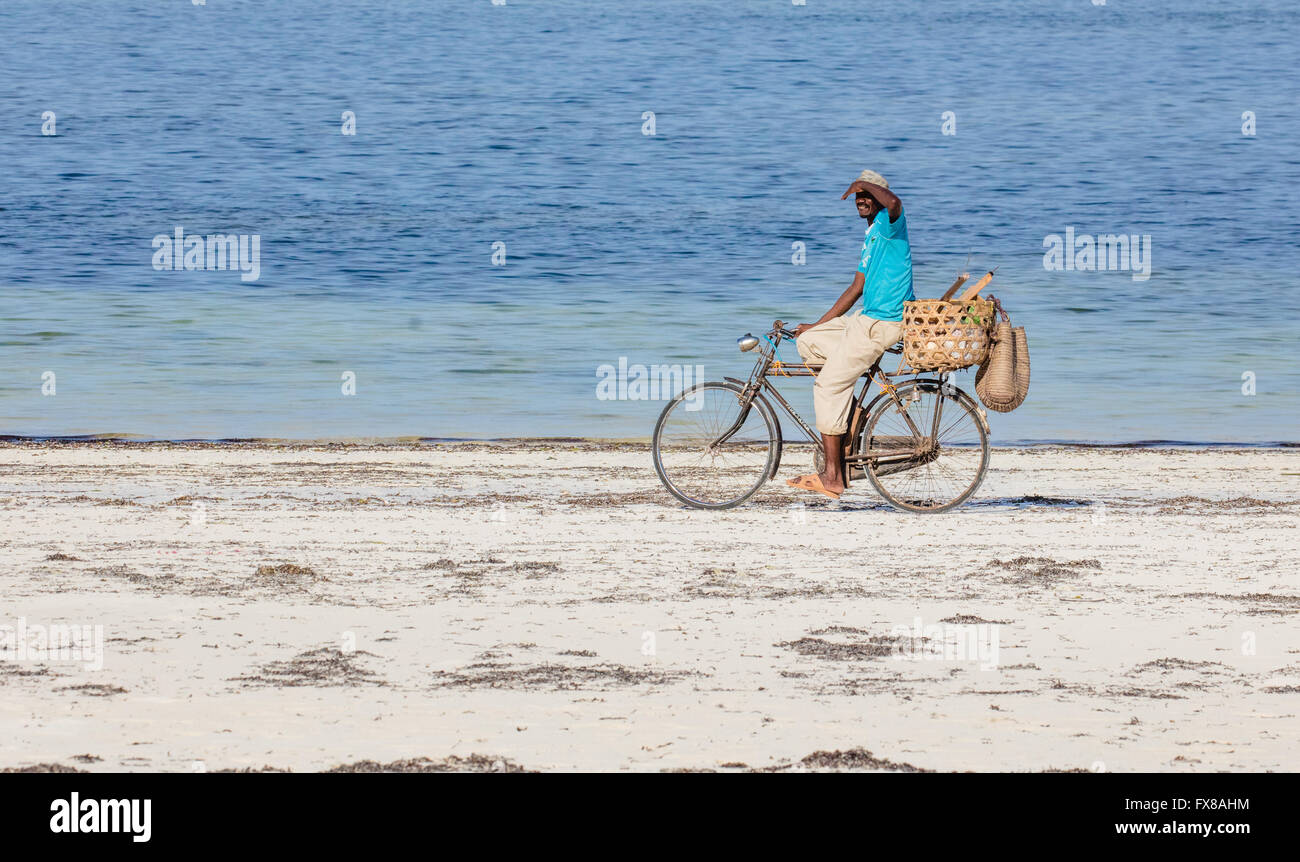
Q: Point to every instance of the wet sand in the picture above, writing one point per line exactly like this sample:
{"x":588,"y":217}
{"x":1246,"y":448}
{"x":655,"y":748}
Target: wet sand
{"x":547,"y":606}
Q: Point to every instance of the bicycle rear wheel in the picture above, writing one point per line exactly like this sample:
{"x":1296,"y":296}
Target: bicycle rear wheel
{"x":710,"y":451}
{"x":948,"y":465}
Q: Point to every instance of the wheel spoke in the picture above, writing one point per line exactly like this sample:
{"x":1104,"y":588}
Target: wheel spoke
{"x":954,"y":466}
{"x":702,"y":471}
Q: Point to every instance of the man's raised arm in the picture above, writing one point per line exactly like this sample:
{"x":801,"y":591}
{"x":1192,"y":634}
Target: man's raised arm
{"x":888,"y":200}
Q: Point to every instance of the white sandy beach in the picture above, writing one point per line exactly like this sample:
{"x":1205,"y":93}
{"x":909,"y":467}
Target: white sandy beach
{"x":548,"y":606}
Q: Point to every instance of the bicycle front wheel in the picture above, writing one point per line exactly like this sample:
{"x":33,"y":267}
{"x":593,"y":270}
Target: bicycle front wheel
{"x":711,"y":450}
{"x":945,"y":467}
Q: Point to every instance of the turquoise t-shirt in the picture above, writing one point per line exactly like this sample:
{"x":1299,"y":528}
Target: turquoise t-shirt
{"x":886,"y":267}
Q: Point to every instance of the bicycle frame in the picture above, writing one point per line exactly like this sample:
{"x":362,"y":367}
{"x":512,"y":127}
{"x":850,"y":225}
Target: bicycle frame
{"x":760,"y":385}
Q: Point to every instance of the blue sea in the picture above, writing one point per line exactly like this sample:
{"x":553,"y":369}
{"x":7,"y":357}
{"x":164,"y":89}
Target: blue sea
{"x":522,"y":132}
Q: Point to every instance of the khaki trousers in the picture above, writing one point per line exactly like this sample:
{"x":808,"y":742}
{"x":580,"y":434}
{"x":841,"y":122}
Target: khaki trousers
{"x":847,"y":347}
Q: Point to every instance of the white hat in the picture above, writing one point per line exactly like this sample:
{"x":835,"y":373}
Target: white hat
{"x":873,"y":178}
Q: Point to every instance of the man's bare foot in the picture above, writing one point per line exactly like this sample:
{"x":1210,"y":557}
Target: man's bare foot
{"x":834,"y":484}
{"x":813,"y":482}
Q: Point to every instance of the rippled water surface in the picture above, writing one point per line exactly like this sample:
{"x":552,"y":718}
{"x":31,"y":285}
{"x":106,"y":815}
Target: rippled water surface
{"x":523,"y":124}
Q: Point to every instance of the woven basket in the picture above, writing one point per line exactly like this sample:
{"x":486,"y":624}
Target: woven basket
{"x":1002,"y":383}
{"x":944,"y":335}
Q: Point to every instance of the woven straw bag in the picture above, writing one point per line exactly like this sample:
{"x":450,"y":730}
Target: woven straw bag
{"x":946,"y":335}
{"x":1002,"y":383}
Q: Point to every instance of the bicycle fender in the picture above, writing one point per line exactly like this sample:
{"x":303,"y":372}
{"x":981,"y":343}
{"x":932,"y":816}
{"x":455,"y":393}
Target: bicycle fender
{"x":780,"y":442}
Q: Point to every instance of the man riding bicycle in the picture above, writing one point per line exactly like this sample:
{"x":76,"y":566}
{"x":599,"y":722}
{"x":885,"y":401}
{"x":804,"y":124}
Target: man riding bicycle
{"x":848,"y":343}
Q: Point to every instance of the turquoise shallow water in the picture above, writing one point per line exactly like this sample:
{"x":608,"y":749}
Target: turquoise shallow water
{"x":522,"y":124}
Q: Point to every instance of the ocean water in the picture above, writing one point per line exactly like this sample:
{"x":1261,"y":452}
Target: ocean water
{"x":524,"y":124}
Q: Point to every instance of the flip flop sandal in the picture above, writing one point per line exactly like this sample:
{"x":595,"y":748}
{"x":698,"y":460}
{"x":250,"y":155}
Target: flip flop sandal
{"x":811,"y":483}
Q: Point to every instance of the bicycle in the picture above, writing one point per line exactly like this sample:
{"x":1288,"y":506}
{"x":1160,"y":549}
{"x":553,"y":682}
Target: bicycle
{"x":922,"y":443}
